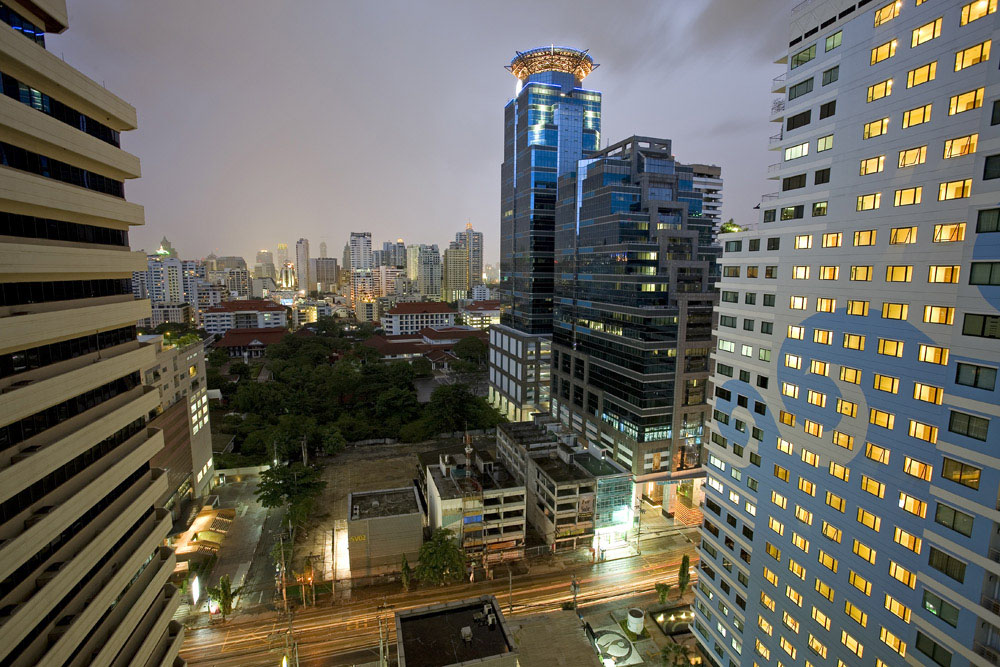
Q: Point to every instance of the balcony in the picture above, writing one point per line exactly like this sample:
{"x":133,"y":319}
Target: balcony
{"x":778,"y":83}
{"x":774,"y":140}
{"x":771,"y":196}
{"x":777,"y":110}
{"x":992,"y":655}
{"x":991,"y":604}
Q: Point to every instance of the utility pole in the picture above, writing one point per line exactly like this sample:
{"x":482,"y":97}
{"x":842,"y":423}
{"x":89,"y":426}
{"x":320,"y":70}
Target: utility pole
{"x":510,"y":591}
{"x":575,"y":588}
{"x":305,"y":452}
{"x":284,"y":595}
{"x":383,"y":636}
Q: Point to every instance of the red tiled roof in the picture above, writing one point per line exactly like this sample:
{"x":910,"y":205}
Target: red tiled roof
{"x":448,"y":333}
{"x":387,"y":347}
{"x":483,"y":305}
{"x":440,"y":355}
{"x":420,"y":307}
{"x":243,"y":337}
{"x":245,"y":305}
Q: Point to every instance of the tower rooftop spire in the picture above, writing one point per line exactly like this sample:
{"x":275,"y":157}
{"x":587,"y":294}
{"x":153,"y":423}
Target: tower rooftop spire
{"x":552,"y":59}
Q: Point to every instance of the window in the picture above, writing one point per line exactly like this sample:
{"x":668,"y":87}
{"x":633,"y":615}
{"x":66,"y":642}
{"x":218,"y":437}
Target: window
{"x":956,"y":520}
{"x":843,"y":440}
{"x":800,"y":89}
{"x":819,"y":209}
{"x":803,"y":242}
{"x":829,"y":108}
{"x":829,"y":272}
{"x":852,"y":375}
{"x":872,"y":486}
{"x":943,"y":610}
{"x":917,"y":116}
{"x":967,"y":101}
{"x":817,"y":367}
{"x":948,"y":565}
{"x":898,"y":274}
{"x":912,"y":505}
{"x":939,"y":314}
{"x":839,"y":471}
{"x":897,"y":608}
{"x":881,"y":418}
{"x":877,"y":128}
{"x":856,"y":614}
{"x":892,"y":641}
{"x":912,"y":157}
{"x":991,"y":169}
{"x":846,"y":407}
{"x":879,"y":90}
{"x":815,"y":645}
{"x":928,"y":393}
{"x":901,"y":574}
{"x":917,"y":469}
{"x":798,"y":302}
{"x":961,"y":473}
{"x":955,"y":189}
{"x":903,"y":235}
{"x":968,"y":425}
{"x":796,"y":332}
{"x":824,"y":305}
{"x":890,"y":348}
{"x":920,"y":75}
{"x":834,"y":239}
{"x":980,"y":377}
{"x":872,"y":165}
{"x":805,"y":516}
{"x":988,"y":220}
{"x":883,"y":52}
{"x":824,"y":143}
{"x":926,"y":33}
{"x":949,"y":232}
{"x":797,"y":151}
{"x":977,"y":9}
{"x":827,"y":561}
{"x":800,"y":273}
{"x":793,"y":361}
{"x":960,"y":146}
{"x":803,"y":56}
{"x":982,"y":326}
{"x":869,"y":202}
{"x":861,"y":273}
{"x":814,"y":429}
{"x":793,"y":182}
{"x":869,"y":520}
{"x":886,"y":13}
{"x":827,"y":592}
{"x":894,"y":311}
{"x":972,"y":55}
{"x":831,"y":75}
{"x":942,"y":274}
{"x":860,"y":583}
{"x":786,"y":418}
{"x":833,"y":41}
{"x":835,"y":501}
{"x":876,"y":453}
{"x":821,"y":176}
{"x":886,"y":383}
{"x":907,"y":196}
{"x":799,"y":120}
{"x":769,"y":215}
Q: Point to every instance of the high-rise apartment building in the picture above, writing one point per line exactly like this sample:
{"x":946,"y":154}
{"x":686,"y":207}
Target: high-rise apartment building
{"x":455,"y":272}
{"x":324,"y":271}
{"x":82,"y":563}
{"x":412,"y":262}
{"x":429,"y":273}
{"x":306,"y":281}
{"x":472,"y":241}
{"x":852,"y":470}
{"x":322,"y":249}
{"x":161,"y":281}
{"x":230,"y":262}
{"x":362,"y":264}
{"x":708,"y":183}
{"x":549,"y":125}
{"x":633,"y":317}
{"x":264,"y":267}
{"x":393,"y":253}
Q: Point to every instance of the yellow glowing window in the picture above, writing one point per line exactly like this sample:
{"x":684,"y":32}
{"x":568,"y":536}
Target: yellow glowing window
{"x":955,"y":190}
{"x":835,"y":501}
{"x":949,"y":232}
{"x":852,"y":375}
{"x":856,"y":614}
{"x":776,"y":526}
{"x":901,"y":574}
{"x":783,"y":445}
{"x":890,"y":348}
{"x":787,"y":418}
{"x":847,"y":408}
{"x":918,"y":469}
{"x":907,"y":196}
{"x":887,"y":13}
{"x":902,"y":235}
{"x":817,"y":367}
{"x":764,"y":651}
{"x":839,"y":471}
{"x":928,"y":393}
{"x":798,"y":302}
{"x":869,"y":202}
{"x":803,"y":515}
{"x":833,"y":240}
{"x":865,"y":237}
{"x":864,"y":551}
{"x":923,"y":431}
{"x":933,"y":355}
{"x":922,"y":74}
{"x":886,"y":383}
{"x":892,"y":641}
{"x":826,"y":591}
{"x":876,"y":453}
{"x":779,"y":500}
{"x":797,"y":151}
{"x":879,"y":90}
{"x":781,"y":473}
{"x":907,"y":539}
{"x":793,"y":361}
{"x":824,"y":305}
{"x":827,"y":561}
{"x":823,"y":336}
{"x":766,"y":600}
{"x":857,"y":308}
{"x":960,"y":146}
{"x":912,"y":505}
{"x":977,"y":9}
{"x":796,"y":332}
{"x":854,"y":341}
{"x":972,"y":55}
{"x":786,"y":645}
{"x":803,"y":242}
{"x":832,"y":532}
{"x":872,"y":486}
{"x":810,"y":458}
{"x":793,"y":595}
{"x":764,"y":625}
{"x":790,"y":621}
{"x":966,"y":101}
{"x":881,"y":418}
{"x":939,"y":315}
{"x":912,"y":156}
{"x":876,"y":128}
{"x":860,"y":583}
{"x":866,"y":518}
{"x":800,"y":542}
{"x":883,"y":52}
{"x":862,"y":273}
{"x":772,"y":551}
{"x":812,"y":428}
{"x":789,"y":389}
{"x":898,"y":274}
{"x":829,"y":272}
{"x":872,"y":165}
{"x":926,"y":33}
{"x":917,"y":116}
{"x":771,"y":577}
{"x":852,"y":644}
{"x":843,"y":440}
{"x":895,"y":311}
{"x":943,"y":274}
{"x":897,"y":608}
{"x":815,"y":645}
{"x":817,"y":398}
{"x":800,"y":273}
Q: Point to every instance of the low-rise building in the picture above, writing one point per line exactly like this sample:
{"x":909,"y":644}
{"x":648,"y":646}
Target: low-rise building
{"x":452,"y":634}
{"x":250,"y":343}
{"x":162,"y":313}
{"x":429,"y":342}
{"x":366,"y":311}
{"x":409,"y":318}
{"x":383,"y":527}
{"x":245,"y":314}
{"x":481,"y":314}
{"x":305,"y":311}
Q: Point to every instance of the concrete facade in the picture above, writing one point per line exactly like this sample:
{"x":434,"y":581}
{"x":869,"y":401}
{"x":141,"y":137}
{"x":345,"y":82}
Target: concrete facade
{"x":383,"y":526}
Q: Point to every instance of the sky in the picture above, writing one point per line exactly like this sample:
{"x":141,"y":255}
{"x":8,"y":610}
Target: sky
{"x":263,"y":122}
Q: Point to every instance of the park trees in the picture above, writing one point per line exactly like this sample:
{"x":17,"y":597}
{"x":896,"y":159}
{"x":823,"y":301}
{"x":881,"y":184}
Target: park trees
{"x":441,"y":559}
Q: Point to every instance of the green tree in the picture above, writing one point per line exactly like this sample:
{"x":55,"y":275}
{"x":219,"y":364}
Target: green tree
{"x":663,"y":591}
{"x":333,"y":440}
{"x":406,"y":574}
{"x":729,"y":227}
{"x":217,"y":357}
{"x":289,"y":485}
{"x":239,"y":369}
{"x":441,"y":558}
{"x":422,"y":367}
{"x":472,"y":350}
{"x":684,"y":575}
{"x":224,"y":595}
{"x":676,"y":655}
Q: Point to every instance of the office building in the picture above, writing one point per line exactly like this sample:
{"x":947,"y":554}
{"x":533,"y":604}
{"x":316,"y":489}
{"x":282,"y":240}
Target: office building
{"x":455,"y":273}
{"x":244,"y":314}
{"x":707,"y":182}
{"x":633,"y":323}
{"x":162,"y":280}
{"x":384,"y":280}
{"x":230,"y":262}
{"x":324,"y":271}
{"x":429,"y":272}
{"x":394,"y":253}
{"x":361,"y":263}
{"x":549,"y":125}
{"x":264,"y":267}
{"x":83,"y":568}
{"x":306,"y":282}
{"x":472,"y":241}
{"x":237,"y":281}
{"x":163,"y":313}
{"x":480,"y":314}
{"x":209,"y":295}
{"x":852,"y":470}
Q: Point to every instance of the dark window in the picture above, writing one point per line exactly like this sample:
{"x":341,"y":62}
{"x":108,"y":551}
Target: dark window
{"x":769,"y":215}
{"x":759,"y":408}
{"x":992,"y":168}
{"x":724,"y":369}
{"x":30,"y":227}
{"x":744,"y":376}
{"x":771,"y":272}
{"x":730,"y":297}
{"x":755,"y":459}
{"x":754,"y":245}
{"x":762,"y":381}
{"x":831,"y":75}
{"x":727,"y":321}
{"x":38,"y":100}
{"x":946,"y":564}
{"x":979,"y":377}
{"x":800,"y":89}
{"x":773,"y":243}
{"x":984,"y":273}
{"x":748,"y":325}
{"x":724,"y":394}
{"x":961,"y":473}
{"x":802,"y":57}
{"x":968,"y":425}
{"x":742,"y":400}
{"x":949,"y":517}
{"x":995,"y":118}
{"x":933,"y":650}
{"x":757,"y":433}
{"x":943,"y":610}
{"x":22,"y":25}
{"x":793,"y":182}
{"x":792,"y":212}
{"x":982,"y":326}
{"x":16,"y":294}
{"x":767,"y":327}
{"x":822,"y":176}
{"x":750,"y":298}
{"x":734,"y":246}
{"x":45,"y":355}
{"x":819,"y":209}
{"x":799,"y":120}
{"x":16,"y":157}
{"x":988,"y":220}
{"x":769,"y":300}
{"x":828,"y":109}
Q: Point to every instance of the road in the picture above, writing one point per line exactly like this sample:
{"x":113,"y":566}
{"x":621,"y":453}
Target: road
{"x":348,"y":633}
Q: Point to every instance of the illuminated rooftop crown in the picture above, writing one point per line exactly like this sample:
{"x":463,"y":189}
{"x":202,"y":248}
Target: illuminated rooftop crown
{"x":552,"y":58}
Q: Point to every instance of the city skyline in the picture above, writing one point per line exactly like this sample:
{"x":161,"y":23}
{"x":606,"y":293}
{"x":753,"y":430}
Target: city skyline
{"x":244,"y":196}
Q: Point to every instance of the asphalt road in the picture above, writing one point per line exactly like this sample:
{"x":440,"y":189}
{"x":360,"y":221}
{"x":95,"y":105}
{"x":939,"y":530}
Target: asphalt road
{"x":347,"y":634}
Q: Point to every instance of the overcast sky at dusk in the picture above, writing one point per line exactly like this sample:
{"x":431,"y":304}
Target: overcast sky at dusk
{"x":262,"y":122}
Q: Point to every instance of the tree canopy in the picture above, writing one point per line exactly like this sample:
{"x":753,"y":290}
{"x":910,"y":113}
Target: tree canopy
{"x":441,"y":558}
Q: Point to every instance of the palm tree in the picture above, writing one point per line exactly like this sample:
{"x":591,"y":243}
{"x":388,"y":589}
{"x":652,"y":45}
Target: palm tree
{"x":224,"y":595}
{"x":676,"y":655}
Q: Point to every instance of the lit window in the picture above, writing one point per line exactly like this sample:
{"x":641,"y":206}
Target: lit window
{"x":803,"y":515}
{"x":872,"y":486}
{"x":917,"y":116}
{"x":786,"y":418}
{"x":833,"y":239}
{"x":879,"y":90}
{"x":886,"y":383}
{"x":862,"y":273}
{"x":810,"y":458}
{"x":887,"y":13}
{"x":800,"y":542}
{"x":892,"y":641}
{"x":800,"y":273}
{"x":796,"y":332}
{"x":793,"y":595}
{"x":967,"y":101}
{"x":876,"y":453}
{"x":814,"y":429}
{"x":827,"y":561}
{"x":869,"y":520}
{"x":939,"y":314}
{"x":912,"y":156}
{"x":848,"y":408}
{"x":890,"y":348}
{"x":860,"y":583}
{"x":779,"y":500}
{"x":949,"y":232}
{"x":876,"y":128}
{"x":960,"y":146}
{"x":829,"y":272}
{"x":803,"y":242}
{"x":793,"y":361}
{"x":907,"y":539}
{"x":912,"y":505}
{"x":872,"y":165}
{"x":894,"y":311}
{"x":856,"y":614}
{"x":898,"y":273}
{"x":977,"y":9}
{"x":933,"y":355}
{"x":903,"y":235}
{"x":883,"y":52}
{"x":835,"y":501}
{"x":798,"y":302}
{"x":817,"y":367}
{"x":972,"y":55}
{"x":776,"y":525}
{"x":826,"y":591}
{"x":897,"y":608}
{"x":924,"y":432}
{"x":824,"y":305}
{"x":926,"y":33}
{"x":824,"y":143}
{"x":840,"y":471}
{"x":907,"y":196}
{"x":920,"y":75}
{"x":783,"y":445}
{"x":918,"y":469}
{"x":823,"y":336}
{"x":843,"y":440}
{"x":795,"y":152}
{"x":943,"y":274}
{"x":928,"y":393}
{"x":764,"y":625}
{"x":790,"y":621}
{"x":854,"y":341}
{"x":881,"y":418}
{"x":865,"y":237}
{"x":900,"y":573}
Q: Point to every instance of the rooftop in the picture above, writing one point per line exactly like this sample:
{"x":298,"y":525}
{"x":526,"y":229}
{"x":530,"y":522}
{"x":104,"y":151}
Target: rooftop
{"x":599,"y":467}
{"x":245,"y":305}
{"x":527,"y":433}
{"x":432,"y":636}
{"x":420,"y":307}
{"x":243,"y":337}
{"x":552,"y":59}
{"x":559,"y":471}
{"x":482,"y":306}
{"x":383,"y":502}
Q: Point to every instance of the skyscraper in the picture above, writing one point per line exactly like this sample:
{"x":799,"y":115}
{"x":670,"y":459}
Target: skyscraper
{"x":412,"y":261}
{"x":472,"y":241}
{"x":362,"y":263}
{"x":633,"y":321}
{"x":549,"y":125}
{"x":281,"y":255}
{"x":324,"y":271}
{"x":306,"y":282}
{"x":852,"y":471}
{"x":429,"y":272}
{"x":264,"y":267}
{"x":455,"y":272}
{"x":83,"y":568}
{"x":322,"y":249}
